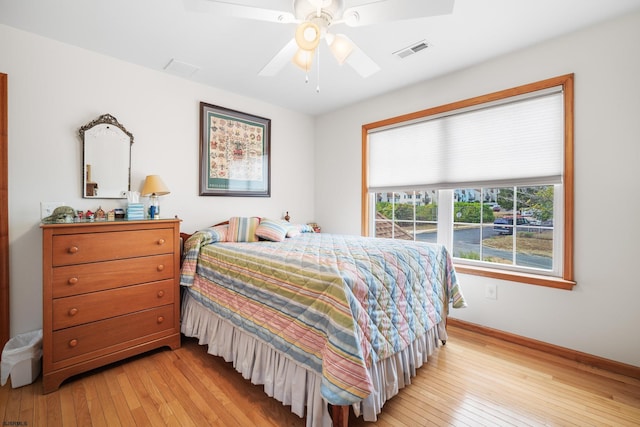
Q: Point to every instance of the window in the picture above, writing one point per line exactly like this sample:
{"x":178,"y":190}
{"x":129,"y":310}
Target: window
{"x":491,"y":178}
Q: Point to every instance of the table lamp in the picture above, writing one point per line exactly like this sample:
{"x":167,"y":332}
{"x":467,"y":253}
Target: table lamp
{"x":154,"y":187}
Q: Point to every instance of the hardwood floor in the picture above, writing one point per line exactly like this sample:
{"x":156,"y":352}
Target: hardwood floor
{"x":474,"y":380}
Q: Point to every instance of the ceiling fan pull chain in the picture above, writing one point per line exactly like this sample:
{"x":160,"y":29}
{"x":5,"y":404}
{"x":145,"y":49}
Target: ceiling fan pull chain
{"x":318,"y":56}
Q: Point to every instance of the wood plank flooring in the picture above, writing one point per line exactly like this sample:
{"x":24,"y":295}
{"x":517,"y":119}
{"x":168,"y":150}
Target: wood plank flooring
{"x":472,"y":381}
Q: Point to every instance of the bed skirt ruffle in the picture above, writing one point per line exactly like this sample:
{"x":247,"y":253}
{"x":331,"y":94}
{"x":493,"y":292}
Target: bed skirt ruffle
{"x":292,"y":384}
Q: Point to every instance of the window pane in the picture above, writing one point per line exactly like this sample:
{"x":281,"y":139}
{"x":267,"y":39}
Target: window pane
{"x":528,"y":242}
{"x":473,"y":213}
{"x":427,"y":217}
{"x":383,"y":220}
{"x":534,"y":247}
{"x":409,"y":215}
{"x":467,"y":241}
{"x":534,"y":231}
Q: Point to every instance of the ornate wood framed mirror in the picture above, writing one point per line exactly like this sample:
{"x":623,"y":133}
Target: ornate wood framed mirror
{"x":106,"y":160}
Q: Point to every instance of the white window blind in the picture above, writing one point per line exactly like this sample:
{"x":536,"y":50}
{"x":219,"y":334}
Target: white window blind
{"x":519,"y":141}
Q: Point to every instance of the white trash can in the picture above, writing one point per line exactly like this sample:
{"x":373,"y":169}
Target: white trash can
{"x":21,"y":358}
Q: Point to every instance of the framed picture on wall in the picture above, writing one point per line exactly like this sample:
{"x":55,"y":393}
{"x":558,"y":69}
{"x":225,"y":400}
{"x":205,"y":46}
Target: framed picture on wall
{"x":234,"y":153}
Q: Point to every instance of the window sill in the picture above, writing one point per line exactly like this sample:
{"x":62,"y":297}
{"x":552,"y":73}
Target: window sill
{"x":530,"y":279}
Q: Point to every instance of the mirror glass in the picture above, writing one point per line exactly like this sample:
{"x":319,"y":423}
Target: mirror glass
{"x":106,"y":166}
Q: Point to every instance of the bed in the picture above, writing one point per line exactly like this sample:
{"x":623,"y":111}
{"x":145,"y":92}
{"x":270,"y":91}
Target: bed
{"x":322,"y":321}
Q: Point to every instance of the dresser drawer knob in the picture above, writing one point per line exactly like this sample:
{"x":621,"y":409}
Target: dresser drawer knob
{"x":160,"y":319}
{"x":73,"y":311}
{"x":160,"y":294}
{"x":73,"y":343}
{"x":161,"y":241}
{"x":73,"y":249}
{"x":160,"y":267}
{"x":72,"y":280}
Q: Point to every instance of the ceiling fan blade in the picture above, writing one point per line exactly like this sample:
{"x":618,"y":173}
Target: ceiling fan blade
{"x":394,"y":10}
{"x":281,"y":59}
{"x":235,"y":10}
{"x":360,"y":61}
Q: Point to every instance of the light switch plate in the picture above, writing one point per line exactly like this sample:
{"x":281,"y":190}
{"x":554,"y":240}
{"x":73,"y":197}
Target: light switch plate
{"x":47,"y":208}
{"x":491,"y":291}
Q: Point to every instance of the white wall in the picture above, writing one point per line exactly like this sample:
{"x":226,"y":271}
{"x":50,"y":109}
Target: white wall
{"x":600,"y":315}
{"x":55,"y":88}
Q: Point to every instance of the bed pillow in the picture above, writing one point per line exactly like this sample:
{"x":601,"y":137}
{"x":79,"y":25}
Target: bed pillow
{"x":293,"y":230}
{"x":243,"y":229}
{"x":305,"y":228}
{"x":272,"y":230}
{"x":219,"y":233}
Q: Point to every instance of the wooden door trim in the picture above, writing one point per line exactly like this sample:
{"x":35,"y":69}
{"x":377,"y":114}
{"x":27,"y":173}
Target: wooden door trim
{"x":4,"y":212}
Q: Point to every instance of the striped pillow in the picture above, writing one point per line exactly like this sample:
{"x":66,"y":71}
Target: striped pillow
{"x":218,"y":233}
{"x":243,"y":229}
{"x":271,"y":230}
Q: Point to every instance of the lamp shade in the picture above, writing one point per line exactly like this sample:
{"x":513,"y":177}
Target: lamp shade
{"x":153,"y":185}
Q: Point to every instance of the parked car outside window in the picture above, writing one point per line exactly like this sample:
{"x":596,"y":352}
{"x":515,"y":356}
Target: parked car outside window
{"x":504,"y":225}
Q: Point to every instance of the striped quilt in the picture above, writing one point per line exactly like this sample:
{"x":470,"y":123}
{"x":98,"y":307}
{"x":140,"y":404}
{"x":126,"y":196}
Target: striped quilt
{"x":333,"y":303}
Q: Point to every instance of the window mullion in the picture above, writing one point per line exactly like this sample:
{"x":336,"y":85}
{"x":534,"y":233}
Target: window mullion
{"x":415,"y":216}
{"x":445,"y":219}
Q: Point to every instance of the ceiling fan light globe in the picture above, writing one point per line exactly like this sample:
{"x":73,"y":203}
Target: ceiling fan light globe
{"x":341,"y":48}
{"x":303,"y":59}
{"x":307,"y":35}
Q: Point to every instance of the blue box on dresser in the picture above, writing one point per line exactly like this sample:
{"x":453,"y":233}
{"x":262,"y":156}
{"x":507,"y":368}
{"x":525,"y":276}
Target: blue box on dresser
{"x":135,"y":211}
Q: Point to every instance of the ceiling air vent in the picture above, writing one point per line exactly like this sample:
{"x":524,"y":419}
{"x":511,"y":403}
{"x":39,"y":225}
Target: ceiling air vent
{"x":414,"y":48}
{"x":181,"y":69}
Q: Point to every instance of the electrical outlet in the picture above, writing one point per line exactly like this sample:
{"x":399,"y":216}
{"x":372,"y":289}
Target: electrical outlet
{"x":491,"y":291}
{"x":47,"y":208}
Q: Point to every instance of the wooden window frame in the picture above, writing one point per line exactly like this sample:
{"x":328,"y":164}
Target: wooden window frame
{"x":567,"y":281}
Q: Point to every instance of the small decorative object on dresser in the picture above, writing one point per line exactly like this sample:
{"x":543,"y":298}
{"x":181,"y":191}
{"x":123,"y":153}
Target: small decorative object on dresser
{"x":100,"y":216}
{"x":135,"y":211}
{"x":110,"y":291}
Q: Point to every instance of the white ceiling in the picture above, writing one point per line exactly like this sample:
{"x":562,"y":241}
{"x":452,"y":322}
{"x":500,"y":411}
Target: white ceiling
{"x":229,"y":52}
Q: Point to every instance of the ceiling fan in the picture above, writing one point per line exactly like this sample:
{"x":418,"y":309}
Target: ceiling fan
{"x":316,"y":20}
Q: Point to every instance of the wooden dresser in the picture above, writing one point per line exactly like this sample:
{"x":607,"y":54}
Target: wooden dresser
{"x":110,"y":291}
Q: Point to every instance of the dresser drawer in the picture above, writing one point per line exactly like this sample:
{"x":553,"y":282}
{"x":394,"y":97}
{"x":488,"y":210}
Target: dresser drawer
{"x":85,"y":308}
{"x":97,"y":336}
{"x":82,"y":278}
{"x":92,"y":247}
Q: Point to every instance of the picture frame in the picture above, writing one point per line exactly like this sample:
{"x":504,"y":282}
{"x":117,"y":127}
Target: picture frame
{"x":235,"y":155}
